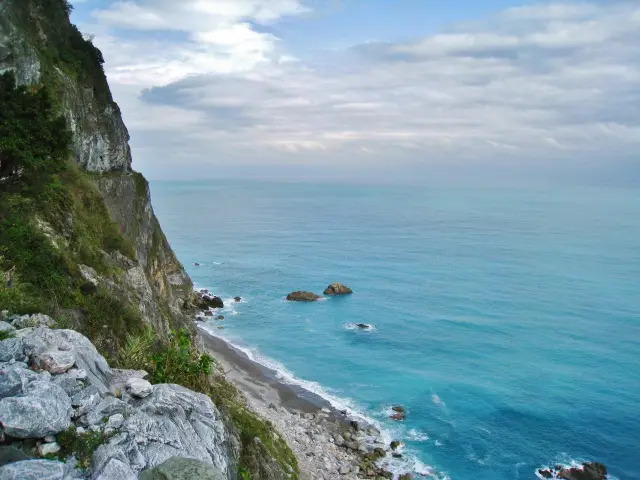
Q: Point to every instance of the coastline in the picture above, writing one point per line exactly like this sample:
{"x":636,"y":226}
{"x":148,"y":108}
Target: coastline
{"x":328,"y":443}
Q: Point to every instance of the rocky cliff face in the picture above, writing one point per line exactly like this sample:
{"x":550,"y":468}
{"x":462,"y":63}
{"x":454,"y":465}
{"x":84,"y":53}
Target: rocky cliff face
{"x":41,"y":46}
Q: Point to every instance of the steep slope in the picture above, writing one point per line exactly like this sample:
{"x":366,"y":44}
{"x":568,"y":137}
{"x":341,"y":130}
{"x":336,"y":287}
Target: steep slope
{"x":78,"y":237}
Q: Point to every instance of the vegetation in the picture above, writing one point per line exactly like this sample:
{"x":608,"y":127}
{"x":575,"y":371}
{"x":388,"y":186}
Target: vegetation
{"x":52,"y":220}
{"x":180,"y":362}
{"x":81,"y":445}
{"x":4,"y":334}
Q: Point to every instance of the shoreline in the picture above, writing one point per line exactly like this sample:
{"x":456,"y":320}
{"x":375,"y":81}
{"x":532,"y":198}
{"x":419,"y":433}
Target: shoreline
{"x":328,"y":443}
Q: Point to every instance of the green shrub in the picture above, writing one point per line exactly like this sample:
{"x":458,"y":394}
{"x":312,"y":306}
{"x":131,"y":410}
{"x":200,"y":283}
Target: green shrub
{"x":81,"y":445}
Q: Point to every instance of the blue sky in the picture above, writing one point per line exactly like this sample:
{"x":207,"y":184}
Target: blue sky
{"x":402,"y":89}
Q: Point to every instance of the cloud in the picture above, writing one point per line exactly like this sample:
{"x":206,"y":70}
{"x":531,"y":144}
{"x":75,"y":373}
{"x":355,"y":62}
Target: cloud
{"x":546,"y":83}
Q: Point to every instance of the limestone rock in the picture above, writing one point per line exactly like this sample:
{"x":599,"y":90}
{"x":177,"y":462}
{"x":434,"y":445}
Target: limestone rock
{"x":70,"y":385}
{"x":43,"y":409}
{"x":114,"y":423}
{"x":116,"y":470}
{"x":10,"y":455}
{"x":85,"y":400}
{"x":48,"y":448}
{"x":11,"y":349}
{"x":6,"y":327}
{"x":37,"y":320}
{"x":105,"y":408}
{"x":139,"y":387}
{"x":33,"y":470}
{"x":302,"y":297}
{"x":56,"y":361}
{"x":175,"y":421}
{"x":337,"y":289}
{"x":14,"y":378}
{"x":178,"y":468}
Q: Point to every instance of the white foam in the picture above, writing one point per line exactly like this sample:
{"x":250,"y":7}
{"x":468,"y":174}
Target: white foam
{"x":565,"y":461}
{"x":355,"y":326}
{"x":409,"y":462}
{"x":416,"y":435}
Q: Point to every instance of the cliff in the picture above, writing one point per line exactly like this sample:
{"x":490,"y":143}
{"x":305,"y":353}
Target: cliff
{"x":79,"y":241}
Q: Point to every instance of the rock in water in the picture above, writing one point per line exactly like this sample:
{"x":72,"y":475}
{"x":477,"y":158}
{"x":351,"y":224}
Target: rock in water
{"x":33,"y":470}
{"x":302,"y":297}
{"x":178,"y":468}
{"x":588,"y":471}
{"x":337,"y":289}
{"x":44,"y":409}
{"x":206,"y":302}
{"x":237,"y":299}
{"x":139,"y":387}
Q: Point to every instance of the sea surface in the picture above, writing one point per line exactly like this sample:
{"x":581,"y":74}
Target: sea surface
{"x":507,"y":320}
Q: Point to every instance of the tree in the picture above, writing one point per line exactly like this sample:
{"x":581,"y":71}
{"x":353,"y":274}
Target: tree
{"x":34,"y":140}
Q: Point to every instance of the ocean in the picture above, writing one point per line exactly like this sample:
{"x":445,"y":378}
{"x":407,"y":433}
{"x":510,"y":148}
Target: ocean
{"x":507,"y":320}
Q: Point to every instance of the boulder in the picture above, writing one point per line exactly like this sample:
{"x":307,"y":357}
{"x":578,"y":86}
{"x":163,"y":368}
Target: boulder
{"x":37,"y":320}
{"x":364,"y":326}
{"x":105,"y":408}
{"x":588,"y":471}
{"x":116,"y":469}
{"x":43,"y":409}
{"x":11,"y":455}
{"x":114,"y":423}
{"x":139,"y":387}
{"x":70,"y":385}
{"x":56,"y":361}
{"x":11,"y":349}
{"x":237,"y":299}
{"x":303,"y":297}
{"x":85,"y":400}
{"x":48,"y":448}
{"x":206,"y":302}
{"x":178,"y":468}
{"x":6,"y":327}
{"x":337,"y":289}
{"x":174,"y":421}
{"x":33,"y":470}
{"x":208,"y":314}
{"x":14,"y":377}
{"x":398,"y":408}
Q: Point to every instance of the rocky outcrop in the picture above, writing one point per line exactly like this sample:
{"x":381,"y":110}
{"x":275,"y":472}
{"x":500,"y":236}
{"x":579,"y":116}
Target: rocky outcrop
{"x":177,"y":468}
{"x":588,"y":471}
{"x":144,"y":425}
{"x":303,"y":297}
{"x":206,"y":301}
{"x":337,"y":289}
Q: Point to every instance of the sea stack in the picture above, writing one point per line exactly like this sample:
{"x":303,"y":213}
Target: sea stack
{"x":337,"y":289}
{"x":303,"y":297}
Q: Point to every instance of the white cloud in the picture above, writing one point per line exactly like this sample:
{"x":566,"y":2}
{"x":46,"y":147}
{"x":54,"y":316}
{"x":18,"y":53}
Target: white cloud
{"x":544,"y":81}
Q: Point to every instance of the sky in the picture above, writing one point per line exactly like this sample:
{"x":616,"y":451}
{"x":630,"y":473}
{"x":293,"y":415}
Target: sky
{"x":375,"y":89}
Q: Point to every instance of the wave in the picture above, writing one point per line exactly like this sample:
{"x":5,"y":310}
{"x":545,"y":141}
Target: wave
{"x":397,"y":466}
{"x":358,"y":326}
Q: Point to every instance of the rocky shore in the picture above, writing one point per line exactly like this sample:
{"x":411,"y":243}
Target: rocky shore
{"x":328,"y":443}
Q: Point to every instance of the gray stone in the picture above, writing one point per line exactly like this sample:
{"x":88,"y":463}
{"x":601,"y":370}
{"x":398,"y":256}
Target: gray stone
{"x":103,"y":455}
{"x":6,"y":327}
{"x":56,"y":361}
{"x":50,"y":439}
{"x":105,"y":408}
{"x":344,"y":470}
{"x":10,"y":455}
{"x":11,"y":349}
{"x":48,"y":448}
{"x":178,"y":468}
{"x":303,"y":297}
{"x":78,"y":374}
{"x":37,"y":320}
{"x":175,"y":421}
{"x":70,"y":385}
{"x":43,"y":409}
{"x":14,"y":378}
{"x":116,"y":470}
{"x":85,"y":400}
{"x":114,"y":423}
{"x":33,"y":470}
{"x":138,"y":387}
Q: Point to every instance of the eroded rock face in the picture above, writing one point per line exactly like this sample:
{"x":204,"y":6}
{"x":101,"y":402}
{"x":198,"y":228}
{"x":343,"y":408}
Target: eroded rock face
{"x":42,"y":409}
{"x":337,"y":289}
{"x":303,"y":297}
{"x":33,"y":470}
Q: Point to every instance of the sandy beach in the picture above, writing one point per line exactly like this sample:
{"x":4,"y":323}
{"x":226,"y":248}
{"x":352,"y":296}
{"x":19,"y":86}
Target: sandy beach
{"x":327,"y":443}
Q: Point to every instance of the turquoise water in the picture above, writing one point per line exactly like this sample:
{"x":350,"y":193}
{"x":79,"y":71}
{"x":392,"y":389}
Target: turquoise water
{"x":507,"y":320}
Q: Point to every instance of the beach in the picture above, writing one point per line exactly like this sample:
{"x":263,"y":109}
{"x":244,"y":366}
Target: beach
{"x":328,"y":443}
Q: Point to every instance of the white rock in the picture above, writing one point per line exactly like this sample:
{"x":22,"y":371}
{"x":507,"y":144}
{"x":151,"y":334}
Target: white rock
{"x":139,"y":388}
{"x":57,"y":361}
{"x":344,"y":470}
{"x":77,"y":373}
{"x":47,"y":448}
{"x":49,"y":439}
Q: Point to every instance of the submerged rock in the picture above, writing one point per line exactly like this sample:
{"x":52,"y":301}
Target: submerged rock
{"x":178,"y":468}
{"x":337,"y":289}
{"x":205,"y":302}
{"x":588,"y":471}
{"x":303,"y":297}
{"x":237,"y":299}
